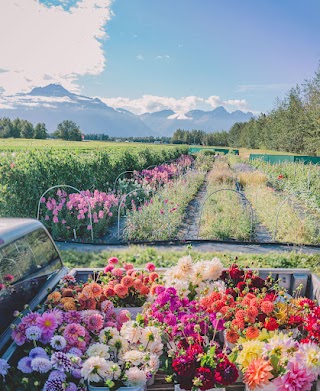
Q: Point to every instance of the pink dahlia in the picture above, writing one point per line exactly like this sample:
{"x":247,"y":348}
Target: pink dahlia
{"x":297,"y":378}
{"x":128,"y":266}
{"x":150,"y":267}
{"x":123,"y":316}
{"x":73,"y":332}
{"x":47,"y":322}
{"x":117,"y":272}
{"x":18,"y":335}
{"x":107,"y":307}
{"x":108,"y":268}
{"x":30,"y":319}
{"x":94,"y":322}
{"x":113,"y":260}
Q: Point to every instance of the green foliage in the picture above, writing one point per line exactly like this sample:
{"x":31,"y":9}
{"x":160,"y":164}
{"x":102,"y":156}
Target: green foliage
{"x":296,"y":177}
{"x":140,"y":255}
{"x":292,"y":126}
{"x":68,"y":130}
{"x":25,"y":175}
{"x":204,"y":160}
{"x":199,"y":137}
{"x":40,"y":131}
{"x":223,"y":215}
{"x":159,"y":218}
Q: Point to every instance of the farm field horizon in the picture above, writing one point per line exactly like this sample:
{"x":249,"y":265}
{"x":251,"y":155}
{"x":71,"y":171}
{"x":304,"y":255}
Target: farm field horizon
{"x":16,"y":144}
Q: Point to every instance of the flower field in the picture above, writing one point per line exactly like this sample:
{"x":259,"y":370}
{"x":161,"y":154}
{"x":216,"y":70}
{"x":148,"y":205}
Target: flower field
{"x":155,"y":199}
{"x":223,"y":207}
{"x":285,"y":198}
{"x":26,"y":174}
{"x":204,"y":325}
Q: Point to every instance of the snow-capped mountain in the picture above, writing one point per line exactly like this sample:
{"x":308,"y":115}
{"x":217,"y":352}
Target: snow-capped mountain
{"x":53,"y":104}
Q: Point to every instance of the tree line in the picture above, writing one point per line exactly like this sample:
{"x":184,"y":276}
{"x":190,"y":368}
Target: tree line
{"x":293,"y":125}
{"x":21,"y":128}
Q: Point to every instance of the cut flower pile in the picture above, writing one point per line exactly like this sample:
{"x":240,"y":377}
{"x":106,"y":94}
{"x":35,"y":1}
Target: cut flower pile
{"x":206,"y":325}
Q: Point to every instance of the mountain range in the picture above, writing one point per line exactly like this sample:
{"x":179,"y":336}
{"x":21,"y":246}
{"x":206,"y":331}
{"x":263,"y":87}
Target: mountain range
{"x":53,"y":104}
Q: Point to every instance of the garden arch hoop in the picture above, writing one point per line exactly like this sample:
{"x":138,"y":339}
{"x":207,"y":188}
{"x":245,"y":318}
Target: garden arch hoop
{"x":280,"y":207}
{"x":122,"y":173}
{"x":123,"y":198}
{"x":235,"y":191}
{"x":78,"y":191}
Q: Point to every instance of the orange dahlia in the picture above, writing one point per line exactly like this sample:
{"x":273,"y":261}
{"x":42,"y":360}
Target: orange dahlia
{"x":153,"y":276}
{"x":241,"y":315}
{"x":252,"y":332}
{"x":96,"y":289}
{"x":54,"y":297}
{"x":144,"y":290}
{"x":127,"y":281}
{"x":267,"y":307}
{"x":87,"y":292}
{"x":258,"y":373}
{"x":121,"y":290}
{"x":252,"y":312}
{"x":137,"y":284}
{"x":232,"y":336}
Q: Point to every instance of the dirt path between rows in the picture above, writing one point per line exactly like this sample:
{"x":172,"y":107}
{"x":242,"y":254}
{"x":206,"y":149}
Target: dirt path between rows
{"x":260,"y":232}
{"x":200,"y":246}
{"x":190,"y":224}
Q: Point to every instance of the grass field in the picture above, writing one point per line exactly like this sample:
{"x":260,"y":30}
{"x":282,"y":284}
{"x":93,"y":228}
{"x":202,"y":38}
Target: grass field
{"x":31,"y":144}
{"x":166,"y":257}
{"x":10,"y":144}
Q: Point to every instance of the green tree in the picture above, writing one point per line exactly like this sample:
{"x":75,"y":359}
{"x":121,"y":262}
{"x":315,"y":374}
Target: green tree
{"x":40,"y":131}
{"x":16,"y":131}
{"x":6,"y":128}
{"x":27,"y":130}
{"x":68,"y":130}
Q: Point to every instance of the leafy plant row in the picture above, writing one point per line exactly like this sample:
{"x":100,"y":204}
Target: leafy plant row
{"x":25,"y":176}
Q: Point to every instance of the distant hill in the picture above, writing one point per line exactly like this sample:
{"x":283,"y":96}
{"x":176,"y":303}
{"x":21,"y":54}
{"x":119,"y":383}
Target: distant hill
{"x":167,"y":121}
{"x":53,"y":104}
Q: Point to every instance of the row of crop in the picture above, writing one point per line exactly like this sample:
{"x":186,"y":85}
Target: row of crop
{"x":283,"y":221}
{"x":160,"y":217}
{"x":90,"y":214}
{"x":223,"y":215}
{"x":304,"y":180}
{"x":24,"y":176}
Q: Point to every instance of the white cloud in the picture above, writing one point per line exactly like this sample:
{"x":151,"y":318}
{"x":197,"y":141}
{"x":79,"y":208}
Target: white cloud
{"x":140,"y":57}
{"x":53,"y":43}
{"x":10,"y":102}
{"x":151,"y":103}
{"x":163,"y":57}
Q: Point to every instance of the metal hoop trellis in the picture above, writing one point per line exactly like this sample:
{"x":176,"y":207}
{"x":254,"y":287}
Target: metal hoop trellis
{"x":73,"y":188}
{"x":123,"y":199}
{"x":280,"y":207}
{"x":122,"y":173}
{"x":235,"y":191}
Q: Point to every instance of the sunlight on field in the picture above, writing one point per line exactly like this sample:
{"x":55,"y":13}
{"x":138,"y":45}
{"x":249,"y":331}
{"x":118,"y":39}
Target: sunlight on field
{"x":22,"y":144}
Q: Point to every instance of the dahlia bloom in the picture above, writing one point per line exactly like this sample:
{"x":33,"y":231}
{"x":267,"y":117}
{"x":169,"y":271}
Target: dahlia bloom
{"x":258,"y":373}
{"x":297,"y":378}
{"x":47,"y":322}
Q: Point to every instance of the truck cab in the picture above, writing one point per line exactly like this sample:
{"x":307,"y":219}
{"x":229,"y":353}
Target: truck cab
{"x":30,"y":266}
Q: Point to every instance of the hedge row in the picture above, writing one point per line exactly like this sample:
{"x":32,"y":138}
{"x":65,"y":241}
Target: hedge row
{"x":24,"y":176}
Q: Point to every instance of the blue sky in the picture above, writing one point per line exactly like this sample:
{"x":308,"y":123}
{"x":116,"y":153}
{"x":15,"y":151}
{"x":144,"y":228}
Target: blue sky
{"x":244,"y":54}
